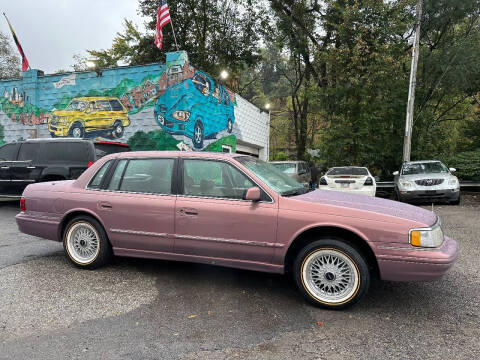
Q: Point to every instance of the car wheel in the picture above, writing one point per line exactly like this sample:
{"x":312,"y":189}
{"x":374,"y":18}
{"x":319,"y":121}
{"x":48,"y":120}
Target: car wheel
{"x":118,"y":129}
{"x":76,"y":131}
{"x":86,"y":243}
{"x":198,"y":135}
{"x":229,"y":126}
{"x":331,"y":274}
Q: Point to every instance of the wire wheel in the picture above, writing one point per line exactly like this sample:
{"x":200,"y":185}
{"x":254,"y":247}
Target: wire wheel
{"x":83,"y":243}
{"x":330,"y":276}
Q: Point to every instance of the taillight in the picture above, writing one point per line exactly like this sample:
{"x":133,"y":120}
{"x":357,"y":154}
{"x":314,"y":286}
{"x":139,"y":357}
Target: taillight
{"x":23,"y":206}
{"x":369,"y":182}
{"x":90,"y":163}
{"x":323,"y":181}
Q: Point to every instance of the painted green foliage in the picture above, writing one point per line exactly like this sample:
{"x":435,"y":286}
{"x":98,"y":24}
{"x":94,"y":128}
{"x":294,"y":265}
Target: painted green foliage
{"x":2,"y":135}
{"x":159,"y":140}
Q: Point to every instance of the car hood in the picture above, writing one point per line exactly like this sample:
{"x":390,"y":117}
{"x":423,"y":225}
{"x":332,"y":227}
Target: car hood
{"x":371,"y":204}
{"x":62,"y":113}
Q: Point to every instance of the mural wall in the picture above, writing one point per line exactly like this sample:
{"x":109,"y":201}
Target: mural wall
{"x":152,"y":107}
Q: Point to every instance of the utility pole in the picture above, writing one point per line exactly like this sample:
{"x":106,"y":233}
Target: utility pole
{"x":407,"y":143}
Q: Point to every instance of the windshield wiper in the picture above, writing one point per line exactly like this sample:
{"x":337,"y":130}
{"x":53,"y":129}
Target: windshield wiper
{"x":295,"y":192}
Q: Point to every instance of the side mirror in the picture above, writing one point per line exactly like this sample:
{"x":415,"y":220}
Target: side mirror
{"x":452,"y":170}
{"x":252,"y":194}
{"x":377,"y":178}
{"x":396,"y":173}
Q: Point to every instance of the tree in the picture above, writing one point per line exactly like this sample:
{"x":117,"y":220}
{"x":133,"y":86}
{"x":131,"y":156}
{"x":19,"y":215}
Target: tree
{"x":217,"y":34}
{"x":9,"y":60}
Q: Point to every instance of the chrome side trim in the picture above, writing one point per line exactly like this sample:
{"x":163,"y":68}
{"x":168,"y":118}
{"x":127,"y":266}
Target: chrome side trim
{"x":230,"y":241}
{"x":141,"y":233}
{"x":411,"y":248}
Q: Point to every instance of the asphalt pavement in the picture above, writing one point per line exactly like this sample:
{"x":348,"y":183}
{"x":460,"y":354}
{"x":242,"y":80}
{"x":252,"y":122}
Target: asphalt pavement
{"x":144,"y":309}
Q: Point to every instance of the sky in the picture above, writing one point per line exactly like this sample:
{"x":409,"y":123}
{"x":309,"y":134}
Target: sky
{"x":52,"y":31}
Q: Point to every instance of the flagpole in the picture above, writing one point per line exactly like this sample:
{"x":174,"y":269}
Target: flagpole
{"x":17,"y":42}
{"x":174,"y":37}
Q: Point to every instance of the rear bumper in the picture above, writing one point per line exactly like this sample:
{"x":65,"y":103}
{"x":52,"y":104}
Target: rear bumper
{"x":397,"y":264}
{"x":369,"y":191}
{"x":44,"y":228}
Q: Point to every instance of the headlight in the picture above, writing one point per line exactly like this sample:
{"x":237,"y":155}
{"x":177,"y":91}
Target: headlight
{"x":453,"y":181}
{"x":405,"y":183}
{"x":181,"y":115}
{"x":427,"y":237}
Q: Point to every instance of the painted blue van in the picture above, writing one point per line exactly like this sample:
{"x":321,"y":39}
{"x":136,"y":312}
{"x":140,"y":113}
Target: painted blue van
{"x":198,"y":108}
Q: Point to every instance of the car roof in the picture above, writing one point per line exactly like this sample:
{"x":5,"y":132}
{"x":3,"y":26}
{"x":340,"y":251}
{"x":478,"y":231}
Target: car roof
{"x":94,"y":98}
{"x":200,"y":155}
{"x":65,"y":139}
{"x":421,"y":161}
{"x":287,"y":162}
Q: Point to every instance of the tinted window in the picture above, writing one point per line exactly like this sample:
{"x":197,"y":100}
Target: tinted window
{"x":97,"y":179}
{"x":103,"y":105}
{"x":28,"y":151}
{"x":67,"y":152}
{"x":214,"y":179}
{"x":117,"y":175}
{"x":116,"y":106}
{"x":148,"y":176}
{"x":201,"y":84}
{"x":348,"y":171}
{"x":8,"y":152}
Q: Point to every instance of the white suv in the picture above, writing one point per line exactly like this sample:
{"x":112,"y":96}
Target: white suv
{"x":425,"y":181}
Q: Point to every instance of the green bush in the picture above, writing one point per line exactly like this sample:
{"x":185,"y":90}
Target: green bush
{"x":466,"y":163}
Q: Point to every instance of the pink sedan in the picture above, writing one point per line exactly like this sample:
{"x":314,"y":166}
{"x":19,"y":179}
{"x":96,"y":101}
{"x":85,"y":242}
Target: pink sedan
{"x":237,"y":211}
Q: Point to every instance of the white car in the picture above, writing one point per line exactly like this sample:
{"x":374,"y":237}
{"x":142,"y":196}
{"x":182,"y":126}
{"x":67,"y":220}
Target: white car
{"x":352,"y":179}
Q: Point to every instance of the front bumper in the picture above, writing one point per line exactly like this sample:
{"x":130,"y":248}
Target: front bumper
{"x":58,"y":129}
{"x":429,"y":195}
{"x":416,"y":264}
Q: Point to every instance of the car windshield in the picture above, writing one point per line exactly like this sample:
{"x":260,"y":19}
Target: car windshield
{"x":424,"y":168}
{"x":347,"y":171}
{"x":287,"y":168}
{"x":72,"y":106}
{"x":273,"y":177}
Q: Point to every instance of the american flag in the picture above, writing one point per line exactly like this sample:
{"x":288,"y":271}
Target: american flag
{"x":163,"y":18}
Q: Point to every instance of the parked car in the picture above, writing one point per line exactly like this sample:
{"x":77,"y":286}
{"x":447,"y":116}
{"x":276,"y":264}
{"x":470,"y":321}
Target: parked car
{"x":350,"y":179}
{"x":237,"y":211}
{"x":26,"y":162}
{"x":297,"y":170}
{"x":427,"y":180}
{"x":198,"y":108}
{"x":89,"y":117}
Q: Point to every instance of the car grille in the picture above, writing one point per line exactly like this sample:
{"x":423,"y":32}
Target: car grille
{"x":429,"y":182}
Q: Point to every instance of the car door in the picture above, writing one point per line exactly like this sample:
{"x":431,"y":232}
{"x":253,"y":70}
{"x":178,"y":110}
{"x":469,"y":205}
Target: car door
{"x":26,"y":170}
{"x":8,"y":154}
{"x":137,"y":205}
{"x":212,"y":220}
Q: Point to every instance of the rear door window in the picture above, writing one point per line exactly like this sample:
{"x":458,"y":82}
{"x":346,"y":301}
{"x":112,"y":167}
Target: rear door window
{"x":29,"y":152}
{"x":152,"y":176}
{"x":67,"y":152}
{"x":8,"y":152}
{"x":99,"y":176}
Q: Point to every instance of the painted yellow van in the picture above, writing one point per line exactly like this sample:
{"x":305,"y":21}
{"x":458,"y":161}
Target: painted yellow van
{"x":90,"y":117}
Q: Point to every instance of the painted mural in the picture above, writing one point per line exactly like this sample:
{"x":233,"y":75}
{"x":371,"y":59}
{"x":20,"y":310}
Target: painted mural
{"x":161,"y":107}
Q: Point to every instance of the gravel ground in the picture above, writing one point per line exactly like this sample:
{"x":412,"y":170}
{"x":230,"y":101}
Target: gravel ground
{"x":139,"y":309}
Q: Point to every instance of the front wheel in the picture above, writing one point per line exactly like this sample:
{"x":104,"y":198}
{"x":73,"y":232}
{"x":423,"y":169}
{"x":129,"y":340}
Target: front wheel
{"x":331,"y":274}
{"x":86,"y":243}
{"x":456,"y":202}
{"x":76,"y":131}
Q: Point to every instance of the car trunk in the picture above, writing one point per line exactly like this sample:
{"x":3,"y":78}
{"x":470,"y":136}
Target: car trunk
{"x":345,"y":182}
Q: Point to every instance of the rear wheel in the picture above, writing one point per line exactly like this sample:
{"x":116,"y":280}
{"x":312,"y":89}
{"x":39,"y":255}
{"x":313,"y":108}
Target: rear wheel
{"x":117,"y":129}
{"x":331,"y":273}
{"x":86,"y":243}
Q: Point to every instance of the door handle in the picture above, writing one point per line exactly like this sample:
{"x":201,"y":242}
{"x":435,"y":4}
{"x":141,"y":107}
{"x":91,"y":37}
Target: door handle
{"x":5,"y":167}
{"x":190,"y":212}
{"x":31,"y":167}
{"x":105,"y":205}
